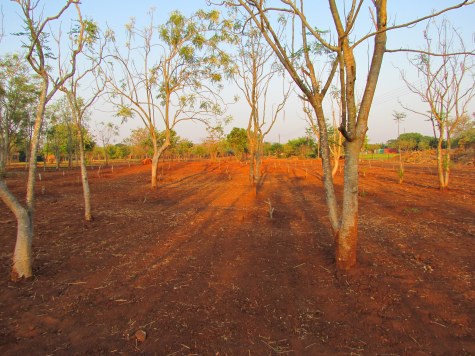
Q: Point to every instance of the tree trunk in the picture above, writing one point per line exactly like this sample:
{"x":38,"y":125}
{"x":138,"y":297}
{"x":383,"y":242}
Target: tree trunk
{"x":330,"y":195}
{"x":257,"y":165}
{"x":58,"y":159}
{"x":447,"y":163}
{"x":22,"y":256}
{"x":84,"y":178}
{"x":440,"y":163}
{"x":252,"y":159}
{"x":106,"y":156}
{"x":401,"y":167}
{"x":155,"y":160}
{"x":3,"y":146}
{"x":347,"y":235}
{"x":336,"y":155}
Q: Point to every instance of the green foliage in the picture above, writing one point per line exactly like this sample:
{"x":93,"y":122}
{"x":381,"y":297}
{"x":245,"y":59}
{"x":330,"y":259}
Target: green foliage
{"x":237,"y":139}
{"x":90,"y":34}
{"x":466,"y":138}
{"x":18,"y":100}
{"x":141,"y":144}
{"x":183,"y":147}
{"x":378,"y":156}
{"x":374,"y":146}
{"x":302,"y":146}
{"x":199,"y":151}
{"x":412,"y":141}
{"x":118,"y":151}
{"x":124,"y":112}
{"x":276,"y":149}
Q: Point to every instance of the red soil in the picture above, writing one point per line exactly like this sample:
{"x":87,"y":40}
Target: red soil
{"x":199,"y":267}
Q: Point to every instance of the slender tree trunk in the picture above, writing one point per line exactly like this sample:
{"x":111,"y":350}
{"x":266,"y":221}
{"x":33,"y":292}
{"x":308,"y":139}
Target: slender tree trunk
{"x":106,"y":156}
{"x":58,"y":159}
{"x":401,"y":166}
{"x":155,"y":160}
{"x":3,"y":160}
{"x":440,"y":163}
{"x":84,"y":178}
{"x":336,"y":154}
{"x":336,"y":161}
{"x":3,"y":145}
{"x":252,"y":160}
{"x":257,"y":166}
{"x":447,"y":163}
{"x":330,"y":195}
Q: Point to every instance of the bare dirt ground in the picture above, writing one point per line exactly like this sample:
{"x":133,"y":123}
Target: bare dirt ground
{"x":198,"y":266}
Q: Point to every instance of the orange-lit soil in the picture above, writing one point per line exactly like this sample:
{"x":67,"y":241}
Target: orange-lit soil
{"x":199,"y":267}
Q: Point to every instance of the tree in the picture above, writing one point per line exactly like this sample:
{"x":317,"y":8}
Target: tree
{"x":140,"y":143}
{"x":335,"y":50}
{"x":335,"y":137}
{"x":254,"y":74}
{"x":183,"y":148}
{"x":214,"y":141}
{"x":237,"y":139}
{"x":447,"y":72}
{"x":182,"y":84}
{"x":300,"y":65}
{"x":60,"y":132}
{"x":18,"y":98}
{"x":105,"y":132}
{"x":42,"y":62}
{"x":399,"y":117}
{"x":465,"y":132}
{"x":277,"y":149}
{"x":79,"y":106}
{"x":118,"y":151}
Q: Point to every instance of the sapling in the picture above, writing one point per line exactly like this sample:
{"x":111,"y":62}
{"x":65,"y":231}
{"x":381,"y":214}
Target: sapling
{"x":401,"y":174}
{"x":271,"y":208}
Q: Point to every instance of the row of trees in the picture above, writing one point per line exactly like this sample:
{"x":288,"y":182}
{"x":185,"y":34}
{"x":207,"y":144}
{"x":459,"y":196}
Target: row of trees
{"x":168,"y":73}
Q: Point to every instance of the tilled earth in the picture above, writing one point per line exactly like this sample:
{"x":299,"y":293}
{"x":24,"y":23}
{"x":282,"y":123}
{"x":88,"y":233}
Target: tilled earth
{"x":198,"y":266}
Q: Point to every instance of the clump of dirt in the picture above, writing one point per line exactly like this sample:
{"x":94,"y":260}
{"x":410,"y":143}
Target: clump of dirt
{"x":199,"y":267}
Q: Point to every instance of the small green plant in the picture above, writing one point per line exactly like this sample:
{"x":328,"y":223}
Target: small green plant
{"x":413,"y":210}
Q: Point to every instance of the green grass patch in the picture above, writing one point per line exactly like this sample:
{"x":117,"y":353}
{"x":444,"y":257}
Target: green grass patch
{"x":378,"y":156}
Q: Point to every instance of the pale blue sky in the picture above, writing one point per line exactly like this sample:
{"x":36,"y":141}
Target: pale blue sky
{"x":390,"y":89}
